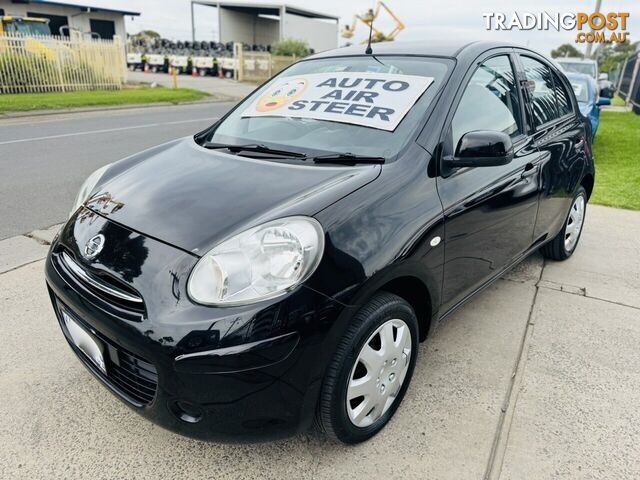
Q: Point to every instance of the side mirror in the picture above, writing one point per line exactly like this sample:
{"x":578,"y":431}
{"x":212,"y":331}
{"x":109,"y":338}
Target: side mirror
{"x":603,"y":76}
{"x":604,"y":101}
{"x":607,"y":92}
{"x":481,"y":148}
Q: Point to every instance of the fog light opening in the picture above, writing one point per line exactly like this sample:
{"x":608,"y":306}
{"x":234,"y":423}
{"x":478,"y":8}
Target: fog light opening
{"x":185,"y":411}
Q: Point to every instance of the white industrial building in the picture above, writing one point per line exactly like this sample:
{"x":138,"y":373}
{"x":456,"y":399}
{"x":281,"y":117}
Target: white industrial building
{"x":263,"y":24}
{"x":105,"y":22}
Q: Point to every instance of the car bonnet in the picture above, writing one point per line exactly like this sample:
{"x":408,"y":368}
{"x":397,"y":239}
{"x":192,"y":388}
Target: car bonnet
{"x":193,"y":198}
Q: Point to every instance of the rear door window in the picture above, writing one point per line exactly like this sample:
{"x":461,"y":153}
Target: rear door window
{"x":564,"y":100}
{"x":541,"y":91}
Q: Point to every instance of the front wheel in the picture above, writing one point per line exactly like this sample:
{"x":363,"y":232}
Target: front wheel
{"x":564,"y":244}
{"x":370,"y":371}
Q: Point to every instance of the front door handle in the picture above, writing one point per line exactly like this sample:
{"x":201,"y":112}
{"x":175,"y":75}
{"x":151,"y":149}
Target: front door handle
{"x":529,"y":170}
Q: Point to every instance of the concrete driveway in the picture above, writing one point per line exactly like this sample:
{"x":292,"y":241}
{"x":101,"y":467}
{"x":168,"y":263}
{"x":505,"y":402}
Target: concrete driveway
{"x":537,"y":377}
{"x":222,"y":87}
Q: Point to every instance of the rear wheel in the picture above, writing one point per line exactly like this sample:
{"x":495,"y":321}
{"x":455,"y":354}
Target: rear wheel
{"x":370,"y":371}
{"x":564,"y":244}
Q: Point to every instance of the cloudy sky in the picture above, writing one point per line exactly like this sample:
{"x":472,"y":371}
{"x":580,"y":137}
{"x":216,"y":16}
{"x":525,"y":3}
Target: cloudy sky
{"x":424,"y":19}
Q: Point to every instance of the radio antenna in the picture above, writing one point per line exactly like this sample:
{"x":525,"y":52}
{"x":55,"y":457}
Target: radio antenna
{"x":369,"y":50}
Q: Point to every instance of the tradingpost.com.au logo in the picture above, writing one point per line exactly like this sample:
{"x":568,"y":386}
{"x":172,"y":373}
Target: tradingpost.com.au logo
{"x":590,"y":27}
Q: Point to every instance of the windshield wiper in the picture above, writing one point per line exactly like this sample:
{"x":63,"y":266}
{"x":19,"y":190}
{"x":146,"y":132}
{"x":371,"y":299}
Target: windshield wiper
{"x":343,"y":158}
{"x":348,"y":158}
{"x":253,"y":147}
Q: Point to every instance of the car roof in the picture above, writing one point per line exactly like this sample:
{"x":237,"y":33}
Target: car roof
{"x":437,"y":48}
{"x":583,"y":76}
{"x":578,"y":76}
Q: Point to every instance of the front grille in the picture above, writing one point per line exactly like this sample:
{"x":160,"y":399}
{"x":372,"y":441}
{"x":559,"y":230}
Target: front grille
{"x":130,"y":376}
{"x":103,"y":290}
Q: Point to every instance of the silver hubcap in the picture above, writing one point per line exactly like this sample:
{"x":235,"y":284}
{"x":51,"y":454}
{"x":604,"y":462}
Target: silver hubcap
{"x":379,"y":372}
{"x":574,"y":224}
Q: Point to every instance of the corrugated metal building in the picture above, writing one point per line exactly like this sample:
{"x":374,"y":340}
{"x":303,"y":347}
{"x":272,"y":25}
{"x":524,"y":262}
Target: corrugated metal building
{"x":263,"y":24}
{"x":104,"y":22}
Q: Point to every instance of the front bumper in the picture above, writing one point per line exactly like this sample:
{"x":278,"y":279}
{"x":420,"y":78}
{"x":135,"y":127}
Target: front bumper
{"x":234,"y":374}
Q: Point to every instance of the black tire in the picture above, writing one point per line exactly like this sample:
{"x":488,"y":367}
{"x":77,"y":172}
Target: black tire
{"x":332,"y":417}
{"x":555,"y":249}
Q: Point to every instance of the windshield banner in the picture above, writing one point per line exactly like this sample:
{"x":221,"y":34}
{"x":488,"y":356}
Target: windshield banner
{"x":377,"y":100}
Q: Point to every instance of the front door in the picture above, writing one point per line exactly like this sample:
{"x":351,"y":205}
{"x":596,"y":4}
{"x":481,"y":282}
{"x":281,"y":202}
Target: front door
{"x":490,"y":212}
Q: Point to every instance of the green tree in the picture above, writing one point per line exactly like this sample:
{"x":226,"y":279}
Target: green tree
{"x":566,"y":50}
{"x":290,"y":47}
{"x":608,"y":55}
{"x":151,"y":34}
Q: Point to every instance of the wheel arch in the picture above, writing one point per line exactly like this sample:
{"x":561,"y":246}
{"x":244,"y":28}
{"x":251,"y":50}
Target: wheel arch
{"x":411,"y":283}
{"x":414,"y":291}
{"x":587,"y":182}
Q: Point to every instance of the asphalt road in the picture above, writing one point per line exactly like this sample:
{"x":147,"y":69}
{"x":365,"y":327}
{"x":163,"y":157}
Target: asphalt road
{"x":45,"y":159}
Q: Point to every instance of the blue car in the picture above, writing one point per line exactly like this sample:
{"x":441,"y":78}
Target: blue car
{"x":589,"y":102}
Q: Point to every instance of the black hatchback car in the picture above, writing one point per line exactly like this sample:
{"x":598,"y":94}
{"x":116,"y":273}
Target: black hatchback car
{"x":279,"y":269}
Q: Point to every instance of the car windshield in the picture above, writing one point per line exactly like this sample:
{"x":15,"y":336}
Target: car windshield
{"x":29,"y":28}
{"x":579,"y":67}
{"x":581,"y":89}
{"x":308,"y":135}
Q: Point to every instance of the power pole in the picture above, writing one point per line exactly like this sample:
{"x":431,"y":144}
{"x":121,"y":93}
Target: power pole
{"x":590,"y":45}
{"x":193,"y":24}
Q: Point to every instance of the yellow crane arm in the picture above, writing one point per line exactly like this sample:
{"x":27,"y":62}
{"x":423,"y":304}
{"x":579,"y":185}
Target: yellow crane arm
{"x":399,"y":23}
{"x":347,"y":31}
{"x":368,"y":19}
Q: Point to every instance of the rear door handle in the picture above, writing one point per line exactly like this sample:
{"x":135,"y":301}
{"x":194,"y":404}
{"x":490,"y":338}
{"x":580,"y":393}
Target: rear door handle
{"x":580,"y":145}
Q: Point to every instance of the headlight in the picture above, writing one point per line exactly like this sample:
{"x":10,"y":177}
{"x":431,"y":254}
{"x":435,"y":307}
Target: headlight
{"x":87,"y":186}
{"x":258,"y":264}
